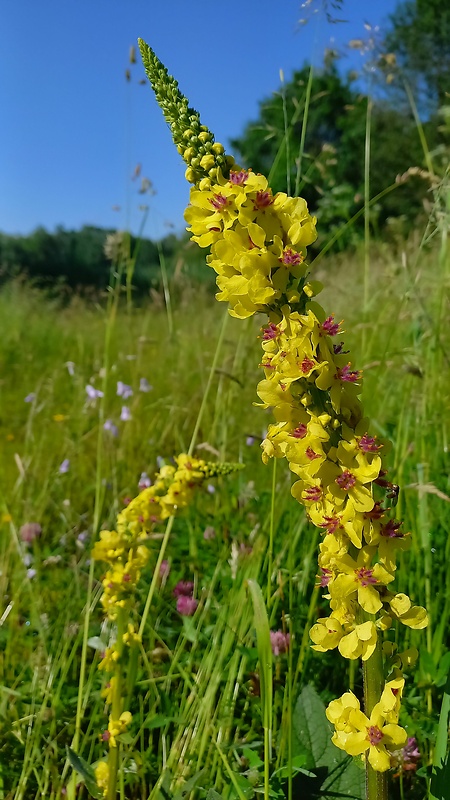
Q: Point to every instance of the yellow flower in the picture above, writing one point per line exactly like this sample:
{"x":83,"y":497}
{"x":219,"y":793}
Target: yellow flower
{"x":60,"y":417}
{"x":361,"y":579}
{"x":102,"y":776}
{"x":372,"y":734}
{"x":402,"y":609}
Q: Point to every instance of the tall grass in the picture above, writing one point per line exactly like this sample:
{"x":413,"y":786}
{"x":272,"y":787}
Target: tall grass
{"x":197,"y":710}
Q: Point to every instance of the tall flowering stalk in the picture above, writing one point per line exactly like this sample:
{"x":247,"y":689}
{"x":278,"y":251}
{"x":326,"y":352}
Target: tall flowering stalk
{"x":126,"y":552}
{"x":258,"y":244}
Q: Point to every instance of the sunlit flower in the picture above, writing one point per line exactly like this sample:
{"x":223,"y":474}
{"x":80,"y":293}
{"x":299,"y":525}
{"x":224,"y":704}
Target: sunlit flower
{"x":64,"y":466}
{"x":93,"y":393}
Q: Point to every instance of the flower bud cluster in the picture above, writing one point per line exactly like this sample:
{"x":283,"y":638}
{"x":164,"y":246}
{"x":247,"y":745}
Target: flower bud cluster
{"x":204,"y":157}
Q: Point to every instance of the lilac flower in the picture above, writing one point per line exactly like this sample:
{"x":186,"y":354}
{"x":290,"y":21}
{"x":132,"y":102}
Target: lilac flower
{"x":109,"y":426}
{"x":183,"y":588}
{"x":250,"y":440}
{"x":123,"y":390}
{"x":64,"y":466}
{"x":210,"y":488}
{"x":280,"y":642}
{"x":29,"y":532}
{"x":144,"y":385}
{"x":144,"y":481}
{"x":70,"y":367}
{"x":125,"y":414}
{"x":30,"y":398}
{"x":93,"y":393}
{"x":160,"y":462}
{"x":31,"y":573}
{"x":186,"y":606}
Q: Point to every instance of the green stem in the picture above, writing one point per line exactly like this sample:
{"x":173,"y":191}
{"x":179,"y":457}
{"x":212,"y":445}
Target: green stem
{"x":373,"y":678}
{"x":116,"y":705}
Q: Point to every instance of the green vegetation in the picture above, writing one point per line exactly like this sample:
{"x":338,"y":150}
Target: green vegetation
{"x":98,"y":392}
{"x":197,"y":711}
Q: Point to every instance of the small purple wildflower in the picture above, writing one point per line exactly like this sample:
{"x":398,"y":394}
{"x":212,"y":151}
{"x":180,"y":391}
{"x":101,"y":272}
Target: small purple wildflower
{"x":209,"y":533}
{"x":144,"y":481}
{"x":160,"y":462}
{"x":186,"y":606}
{"x":250,"y":440}
{"x":125,"y":414}
{"x":211,"y":489}
{"x":183,"y":588}
{"x":109,"y":426}
{"x":123,"y":390}
{"x":64,"y":466}
{"x":280,"y":642}
{"x":144,"y":385}
{"x":31,"y":573}
{"x":92,"y":392}
{"x":29,"y":532}
{"x":30,"y":398}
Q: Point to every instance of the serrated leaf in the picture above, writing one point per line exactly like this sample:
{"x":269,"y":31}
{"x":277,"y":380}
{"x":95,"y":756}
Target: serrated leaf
{"x":86,"y":772}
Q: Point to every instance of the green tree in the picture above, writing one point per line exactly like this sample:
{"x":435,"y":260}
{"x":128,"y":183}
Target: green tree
{"x":419,"y":36}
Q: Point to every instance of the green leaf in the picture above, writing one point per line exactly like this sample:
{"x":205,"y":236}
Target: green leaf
{"x":213,"y":795}
{"x":338,"y":772}
{"x":86,"y":773}
{"x":264,"y":652}
{"x":440,"y":781}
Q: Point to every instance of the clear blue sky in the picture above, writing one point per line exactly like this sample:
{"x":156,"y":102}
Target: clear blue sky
{"x":74,"y":129}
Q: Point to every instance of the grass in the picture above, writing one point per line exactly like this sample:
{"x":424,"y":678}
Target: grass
{"x":198,"y":713}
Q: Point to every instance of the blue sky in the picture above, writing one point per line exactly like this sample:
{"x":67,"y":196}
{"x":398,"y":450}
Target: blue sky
{"x":74,"y":129}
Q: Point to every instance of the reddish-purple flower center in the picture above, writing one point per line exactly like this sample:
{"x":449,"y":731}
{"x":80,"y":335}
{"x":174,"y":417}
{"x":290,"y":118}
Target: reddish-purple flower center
{"x":331,"y":524}
{"x":374,"y":735}
{"x":330,"y":326}
{"x":368,"y":444}
{"x":346,"y":480}
{"x":300,"y":432}
{"x":307,"y":365}
{"x":218,"y":201}
{"x":325,"y":576}
{"x":365,"y":576}
{"x":271,"y":332}
{"x":311,"y":454}
{"x":238,"y":178}
{"x":290,"y":257}
{"x":348,"y":375}
{"x":313,"y":494}
{"x":392,"y":529}
{"x":263,"y":200}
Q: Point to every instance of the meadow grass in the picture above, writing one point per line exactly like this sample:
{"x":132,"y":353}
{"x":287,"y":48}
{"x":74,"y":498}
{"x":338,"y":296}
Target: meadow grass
{"x":197,"y":707}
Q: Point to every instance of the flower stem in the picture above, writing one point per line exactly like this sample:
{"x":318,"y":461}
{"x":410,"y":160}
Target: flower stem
{"x":116,"y":706}
{"x":373,"y":678}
